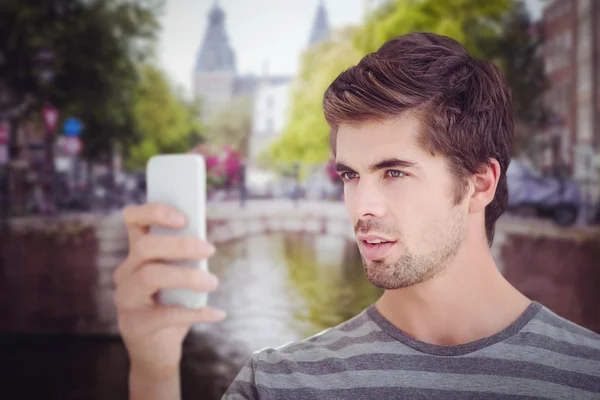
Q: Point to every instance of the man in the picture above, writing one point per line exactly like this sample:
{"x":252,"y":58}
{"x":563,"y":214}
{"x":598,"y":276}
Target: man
{"x":421,"y":134}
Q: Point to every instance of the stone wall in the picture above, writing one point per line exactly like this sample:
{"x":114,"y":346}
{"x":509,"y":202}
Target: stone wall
{"x":561,"y":272}
{"x":56,"y":274}
{"x":47,"y":278}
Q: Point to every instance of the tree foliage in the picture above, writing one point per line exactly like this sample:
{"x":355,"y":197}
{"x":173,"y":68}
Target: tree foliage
{"x":496,"y":31}
{"x":231,"y":125}
{"x":164,"y":121}
{"x":467,"y":21}
{"x":520,"y":57}
{"x":306,"y":135}
{"x":97,"y":45}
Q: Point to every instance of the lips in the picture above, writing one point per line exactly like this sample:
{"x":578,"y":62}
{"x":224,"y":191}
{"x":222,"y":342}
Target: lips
{"x":374,"y":251}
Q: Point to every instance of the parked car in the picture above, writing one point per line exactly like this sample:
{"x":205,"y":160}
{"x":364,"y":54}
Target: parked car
{"x":556,"y":197}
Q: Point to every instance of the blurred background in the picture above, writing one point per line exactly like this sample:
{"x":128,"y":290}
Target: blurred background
{"x":90,"y":89}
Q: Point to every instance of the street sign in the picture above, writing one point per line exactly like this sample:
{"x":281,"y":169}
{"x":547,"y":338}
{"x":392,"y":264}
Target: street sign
{"x":4,"y":132}
{"x":72,"y":127}
{"x":50,"y":117}
{"x":70,"y":145}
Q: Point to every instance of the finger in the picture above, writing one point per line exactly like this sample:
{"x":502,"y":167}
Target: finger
{"x":169,"y":315}
{"x":137,"y":290}
{"x":139,"y":218}
{"x":124,"y":269}
{"x":175,"y":248}
{"x":150,"y":248}
{"x":160,"y":317}
{"x":121,"y":271}
{"x":149,"y":320}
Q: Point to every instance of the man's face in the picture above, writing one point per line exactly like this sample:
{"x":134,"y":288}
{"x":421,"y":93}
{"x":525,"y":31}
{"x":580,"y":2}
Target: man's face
{"x":397,"y":192}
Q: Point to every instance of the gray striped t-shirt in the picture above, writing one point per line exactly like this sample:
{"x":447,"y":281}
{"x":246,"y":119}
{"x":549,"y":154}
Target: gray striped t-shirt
{"x":540,"y":356}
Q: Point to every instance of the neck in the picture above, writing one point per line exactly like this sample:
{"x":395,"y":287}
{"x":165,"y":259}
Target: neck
{"x":471,"y":300}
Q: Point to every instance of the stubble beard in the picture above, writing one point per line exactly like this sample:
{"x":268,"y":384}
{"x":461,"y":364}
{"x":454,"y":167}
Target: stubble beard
{"x":411,"y":269}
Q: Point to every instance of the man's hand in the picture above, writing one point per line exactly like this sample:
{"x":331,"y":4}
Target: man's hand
{"x":153,"y":334}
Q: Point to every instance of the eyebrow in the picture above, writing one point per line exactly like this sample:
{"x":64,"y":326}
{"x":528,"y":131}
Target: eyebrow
{"x":383,"y":164}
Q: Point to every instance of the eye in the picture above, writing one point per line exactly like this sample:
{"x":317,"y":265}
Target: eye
{"x":348,"y":175}
{"x":394,"y":173}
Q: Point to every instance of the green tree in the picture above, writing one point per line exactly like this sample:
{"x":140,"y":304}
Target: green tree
{"x":305,"y":137}
{"x":467,"y":21}
{"x":96,"y":44}
{"x":519,"y":54}
{"x":231,"y":125}
{"x":163,"y":120}
{"x":496,"y":31}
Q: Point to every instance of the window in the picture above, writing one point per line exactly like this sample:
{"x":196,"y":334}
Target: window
{"x":584,"y":77}
{"x":584,"y":36}
{"x":584,"y":7}
{"x":269,"y":125}
{"x":584,"y":118}
{"x":557,"y":52}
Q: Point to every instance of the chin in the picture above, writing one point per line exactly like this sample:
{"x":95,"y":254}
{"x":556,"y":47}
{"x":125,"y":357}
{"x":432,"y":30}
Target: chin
{"x":402,"y":272}
{"x":386,"y":284}
{"x":383,"y":275}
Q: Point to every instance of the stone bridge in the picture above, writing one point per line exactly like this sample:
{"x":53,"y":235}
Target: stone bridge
{"x":229,"y":221}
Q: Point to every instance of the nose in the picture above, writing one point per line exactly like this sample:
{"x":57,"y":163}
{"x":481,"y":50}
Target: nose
{"x":369,"y":199}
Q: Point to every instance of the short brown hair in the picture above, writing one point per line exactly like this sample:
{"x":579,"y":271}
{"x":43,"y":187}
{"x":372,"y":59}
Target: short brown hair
{"x":463,"y":105}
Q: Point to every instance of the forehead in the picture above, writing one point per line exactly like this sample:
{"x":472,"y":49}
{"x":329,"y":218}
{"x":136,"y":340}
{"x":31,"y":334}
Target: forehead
{"x":371,"y":141}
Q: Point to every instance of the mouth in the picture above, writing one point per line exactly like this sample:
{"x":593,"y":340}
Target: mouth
{"x":375,"y":248}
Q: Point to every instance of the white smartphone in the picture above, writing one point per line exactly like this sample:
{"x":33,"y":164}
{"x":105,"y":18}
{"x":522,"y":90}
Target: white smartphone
{"x":179,"y":180}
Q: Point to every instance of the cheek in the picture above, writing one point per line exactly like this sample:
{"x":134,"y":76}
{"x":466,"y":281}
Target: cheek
{"x":418,"y":209}
{"x":349,"y":199}
{"x":410,"y":197}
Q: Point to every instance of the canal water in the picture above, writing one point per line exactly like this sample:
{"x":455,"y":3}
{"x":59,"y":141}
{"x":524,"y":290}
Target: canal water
{"x":276,"y":289}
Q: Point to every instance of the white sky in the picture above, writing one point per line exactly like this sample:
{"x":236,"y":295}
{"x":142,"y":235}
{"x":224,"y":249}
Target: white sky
{"x":260,"y":31}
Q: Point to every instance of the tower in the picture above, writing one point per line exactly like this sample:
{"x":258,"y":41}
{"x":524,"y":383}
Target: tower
{"x":215,"y":70}
{"x":320,"y":29}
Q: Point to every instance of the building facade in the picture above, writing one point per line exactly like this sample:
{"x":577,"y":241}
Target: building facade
{"x":572,"y":65}
{"x":217,"y":82}
{"x":271,"y":107}
{"x":215,"y":70}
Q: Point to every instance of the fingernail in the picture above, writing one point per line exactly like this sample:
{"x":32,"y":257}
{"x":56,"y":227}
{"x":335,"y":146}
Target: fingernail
{"x":213,"y":279}
{"x":220,"y":314}
{"x":211,"y":249}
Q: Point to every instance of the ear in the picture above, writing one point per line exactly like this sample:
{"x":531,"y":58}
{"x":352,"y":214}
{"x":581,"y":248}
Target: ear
{"x":484,"y":186}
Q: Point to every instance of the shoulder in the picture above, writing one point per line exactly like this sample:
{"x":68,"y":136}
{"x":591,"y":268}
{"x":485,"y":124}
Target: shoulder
{"x":353,"y":336}
{"x":555,"y":324}
{"x":282,"y":372}
{"x":550,"y":331}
